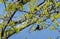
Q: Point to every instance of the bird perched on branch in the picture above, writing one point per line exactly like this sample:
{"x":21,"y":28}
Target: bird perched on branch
{"x":39,"y":27}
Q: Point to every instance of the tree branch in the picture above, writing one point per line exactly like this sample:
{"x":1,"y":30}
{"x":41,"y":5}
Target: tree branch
{"x":2,"y":33}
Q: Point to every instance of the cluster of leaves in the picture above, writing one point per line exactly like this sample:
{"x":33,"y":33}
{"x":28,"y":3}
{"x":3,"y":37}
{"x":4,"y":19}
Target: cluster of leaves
{"x":48,"y":11}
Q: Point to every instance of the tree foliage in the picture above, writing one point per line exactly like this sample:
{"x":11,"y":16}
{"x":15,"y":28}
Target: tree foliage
{"x":36,"y":14}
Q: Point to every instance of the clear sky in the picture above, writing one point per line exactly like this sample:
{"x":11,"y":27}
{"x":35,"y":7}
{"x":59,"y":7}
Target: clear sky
{"x":24,"y":34}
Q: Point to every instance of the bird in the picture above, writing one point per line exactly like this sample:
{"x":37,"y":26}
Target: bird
{"x":39,"y":27}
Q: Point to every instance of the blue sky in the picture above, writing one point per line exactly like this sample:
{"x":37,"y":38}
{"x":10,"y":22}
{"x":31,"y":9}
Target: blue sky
{"x":24,"y":34}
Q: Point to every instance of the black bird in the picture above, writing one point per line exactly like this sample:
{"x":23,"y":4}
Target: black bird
{"x":37,"y":28}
